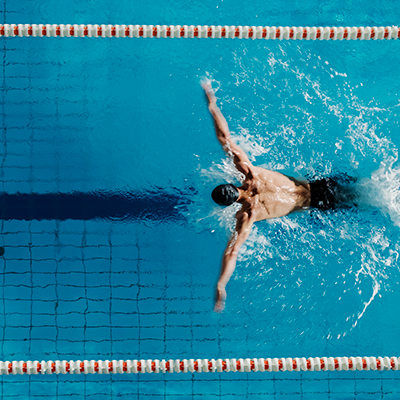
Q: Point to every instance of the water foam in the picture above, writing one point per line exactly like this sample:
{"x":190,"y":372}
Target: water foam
{"x":311,"y":129}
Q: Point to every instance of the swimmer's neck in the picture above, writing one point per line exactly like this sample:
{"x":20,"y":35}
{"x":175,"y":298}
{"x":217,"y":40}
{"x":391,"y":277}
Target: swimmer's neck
{"x":242,"y":195}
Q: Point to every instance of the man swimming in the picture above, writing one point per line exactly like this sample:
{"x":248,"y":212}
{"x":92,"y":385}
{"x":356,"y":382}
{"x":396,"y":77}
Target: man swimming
{"x":264,"y":194}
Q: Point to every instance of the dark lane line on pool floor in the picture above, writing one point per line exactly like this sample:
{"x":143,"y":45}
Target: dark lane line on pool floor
{"x":105,"y":205}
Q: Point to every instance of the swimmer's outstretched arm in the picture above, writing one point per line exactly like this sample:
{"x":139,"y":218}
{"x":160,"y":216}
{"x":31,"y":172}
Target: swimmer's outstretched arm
{"x":244,"y":222}
{"x":240,"y":158}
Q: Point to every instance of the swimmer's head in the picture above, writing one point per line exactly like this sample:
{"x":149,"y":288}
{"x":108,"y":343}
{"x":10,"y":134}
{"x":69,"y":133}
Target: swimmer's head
{"x":225,"y":195}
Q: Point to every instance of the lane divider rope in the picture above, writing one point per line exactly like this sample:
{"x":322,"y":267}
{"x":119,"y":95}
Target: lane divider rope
{"x":202,"y":31}
{"x":200,"y":365}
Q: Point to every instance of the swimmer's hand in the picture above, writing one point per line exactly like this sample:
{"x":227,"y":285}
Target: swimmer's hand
{"x":209,"y":91}
{"x":220,"y":297}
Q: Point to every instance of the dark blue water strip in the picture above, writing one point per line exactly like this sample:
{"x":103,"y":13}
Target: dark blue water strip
{"x":160,"y":205}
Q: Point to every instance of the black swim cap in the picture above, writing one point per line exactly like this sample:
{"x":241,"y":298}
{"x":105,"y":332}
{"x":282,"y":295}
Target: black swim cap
{"x":225,"y":195}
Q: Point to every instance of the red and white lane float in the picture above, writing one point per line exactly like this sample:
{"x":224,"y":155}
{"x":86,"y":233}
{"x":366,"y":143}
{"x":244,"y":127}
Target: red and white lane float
{"x":202,"y":31}
{"x":200,"y":365}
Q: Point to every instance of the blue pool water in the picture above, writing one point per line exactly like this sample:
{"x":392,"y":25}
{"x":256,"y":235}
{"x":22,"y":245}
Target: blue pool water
{"x":112,"y":243}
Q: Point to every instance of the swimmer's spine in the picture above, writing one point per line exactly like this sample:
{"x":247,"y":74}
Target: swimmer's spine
{"x":200,"y":365}
{"x":202,"y":31}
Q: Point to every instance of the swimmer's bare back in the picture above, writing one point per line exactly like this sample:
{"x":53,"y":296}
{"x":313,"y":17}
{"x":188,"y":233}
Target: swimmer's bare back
{"x":264,"y":194}
{"x":269,"y":194}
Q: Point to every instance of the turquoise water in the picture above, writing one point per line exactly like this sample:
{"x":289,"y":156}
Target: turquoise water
{"x":123,"y":124}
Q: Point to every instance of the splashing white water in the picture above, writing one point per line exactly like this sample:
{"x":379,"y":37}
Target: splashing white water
{"x":382,"y":190}
{"x":312,"y":130}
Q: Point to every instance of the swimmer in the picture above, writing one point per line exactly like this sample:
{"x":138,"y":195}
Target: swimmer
{"x":264,"y":194}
